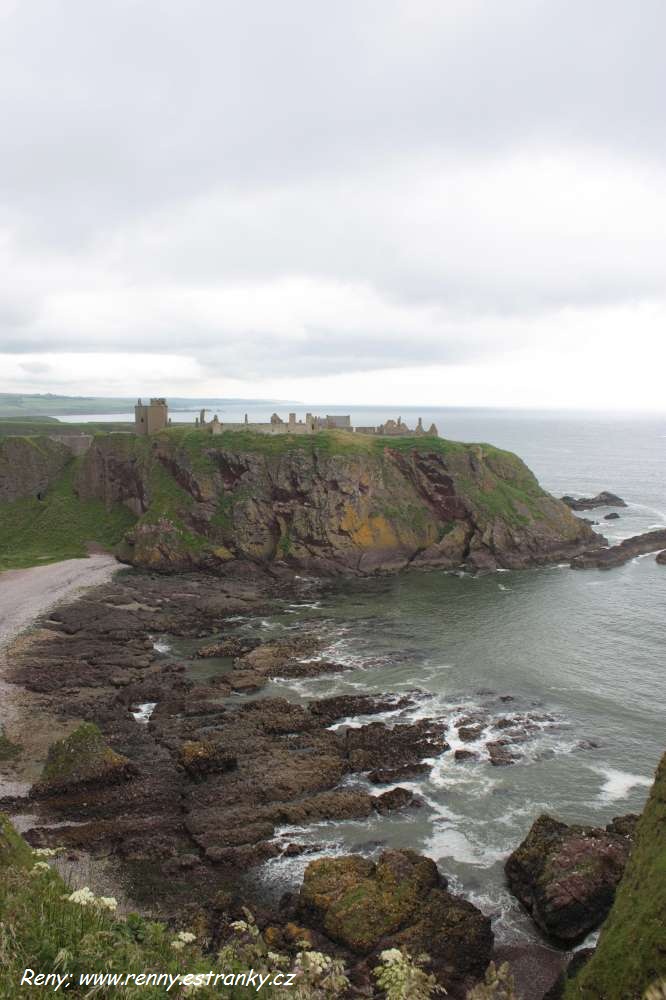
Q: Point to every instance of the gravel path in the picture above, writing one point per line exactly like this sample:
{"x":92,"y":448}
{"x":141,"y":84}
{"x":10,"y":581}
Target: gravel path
{"x":27,"y":593}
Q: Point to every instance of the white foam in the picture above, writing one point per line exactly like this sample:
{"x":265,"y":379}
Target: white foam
{"x":145,"y":711}
{"x":618,"y":784}
{"x":161,"y":646}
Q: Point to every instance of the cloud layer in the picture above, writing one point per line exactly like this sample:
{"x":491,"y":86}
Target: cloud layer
{"x":276,"y":195}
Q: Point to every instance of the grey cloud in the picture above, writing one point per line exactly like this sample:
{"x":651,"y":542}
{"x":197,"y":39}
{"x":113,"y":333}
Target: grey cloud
{"x":159,"y":147}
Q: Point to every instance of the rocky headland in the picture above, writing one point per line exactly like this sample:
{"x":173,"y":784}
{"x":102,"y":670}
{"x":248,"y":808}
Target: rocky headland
{"x":330,"y":503}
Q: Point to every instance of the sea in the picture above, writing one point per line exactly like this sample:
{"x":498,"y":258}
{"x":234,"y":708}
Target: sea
{"x":581,"y":653}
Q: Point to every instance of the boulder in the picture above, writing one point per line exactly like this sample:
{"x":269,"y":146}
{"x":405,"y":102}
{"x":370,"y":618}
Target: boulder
{"x":401,"y":901}
{"x":205,"y":757}
{"x":396,"y":798}
{"x":566,"y":876}
{"x":82,"y":758}
{"x":661,"y":558}
{"x":613,"y":516}
{"x":603,"y":499}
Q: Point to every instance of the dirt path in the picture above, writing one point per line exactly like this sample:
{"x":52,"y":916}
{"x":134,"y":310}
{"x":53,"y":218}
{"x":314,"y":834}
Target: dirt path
{"x":25,"y":594}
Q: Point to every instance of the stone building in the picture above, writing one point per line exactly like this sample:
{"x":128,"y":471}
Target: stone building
{"x":155,"y":417}
{"x":151,"y":417}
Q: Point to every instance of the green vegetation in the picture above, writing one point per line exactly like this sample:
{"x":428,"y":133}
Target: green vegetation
{"x":48,"y":928}
{"x":79,"y":758}
{"x":8,"y":750}
{"x":630,"y":956}
{"x":59,"y":527}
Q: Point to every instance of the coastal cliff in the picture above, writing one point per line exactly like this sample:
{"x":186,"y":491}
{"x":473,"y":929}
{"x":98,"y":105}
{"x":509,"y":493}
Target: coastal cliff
{"x":29,"y":466}
{"x":331,"y":502}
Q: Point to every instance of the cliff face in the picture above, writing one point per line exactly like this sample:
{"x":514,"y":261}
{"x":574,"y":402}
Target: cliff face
{"x":631,"y":956}
{"x":332,"y":502}
{"x":29,"y":466}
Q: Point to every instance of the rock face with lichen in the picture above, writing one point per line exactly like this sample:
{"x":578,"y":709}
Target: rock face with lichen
{"x":630,"y":956}
{"x":29,"y":466}
{"x":333,"y":502}
{"x":400,"y":901}
{"x":81,"y":759}
{"x":566,"y":876}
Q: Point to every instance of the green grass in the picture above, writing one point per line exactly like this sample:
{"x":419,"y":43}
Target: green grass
{"x":631,"y":954}
{"x":8,"y":750}
{"x":33,"y":532}
{"x":43,"y":929}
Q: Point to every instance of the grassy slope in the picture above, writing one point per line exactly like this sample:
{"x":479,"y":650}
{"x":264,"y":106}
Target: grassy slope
{"x":631,"y":954}
{"x":33,"y":532}
{"x":43,"y":930}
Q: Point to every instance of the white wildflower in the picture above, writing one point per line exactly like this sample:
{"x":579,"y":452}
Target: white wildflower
{"x":47,"y":852}
{"x":107,"y":903}
{"x":84,"y":897}
{"x":40,"y":866}
{"x":240,"y":926}
{"x":391,"y":955}
{"x":186,"y":937}
{"x":177,"y":945}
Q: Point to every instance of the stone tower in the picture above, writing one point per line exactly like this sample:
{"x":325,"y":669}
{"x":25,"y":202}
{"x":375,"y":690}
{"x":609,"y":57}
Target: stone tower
{"x":150,"y":417}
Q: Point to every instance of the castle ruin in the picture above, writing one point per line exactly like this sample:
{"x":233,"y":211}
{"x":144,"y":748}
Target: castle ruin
{"x":149,"y":418}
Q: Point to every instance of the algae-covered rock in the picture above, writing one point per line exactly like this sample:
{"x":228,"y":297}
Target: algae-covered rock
{"x":631,"y":954}
{"x":401,"y":901}
{"x":566,"y":876}
{"x":199,"y":758}
{"x":8,"y":750}
{"x":82,"y":758}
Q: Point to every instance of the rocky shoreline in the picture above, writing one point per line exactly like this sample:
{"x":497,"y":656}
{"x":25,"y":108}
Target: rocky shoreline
{"x":182,"y":784}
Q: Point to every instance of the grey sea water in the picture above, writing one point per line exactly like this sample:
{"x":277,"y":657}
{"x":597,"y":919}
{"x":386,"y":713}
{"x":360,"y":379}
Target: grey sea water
{"x":583,"y":650}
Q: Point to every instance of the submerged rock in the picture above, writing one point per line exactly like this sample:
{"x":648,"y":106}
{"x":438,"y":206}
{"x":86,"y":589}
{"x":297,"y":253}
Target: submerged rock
{"x":661,"y":558}
{"x":82,"y":758}
{"x":566,"y":876}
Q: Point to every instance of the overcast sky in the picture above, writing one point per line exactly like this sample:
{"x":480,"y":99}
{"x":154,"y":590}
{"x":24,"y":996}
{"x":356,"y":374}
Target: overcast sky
{"x":413,"y":201}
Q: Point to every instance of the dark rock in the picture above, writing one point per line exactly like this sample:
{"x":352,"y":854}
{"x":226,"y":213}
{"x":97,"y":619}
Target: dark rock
{"x":661,"y":558}
{"x":348,"y":706}
{"x":499,"y":753}
{"x":617,"y":555}
{"x":389,"y":775}
{"x":466,"y":755}
{"x":396,"y":798}
{"x":468,"y":734}
{"x":377,"y":746}
{"x":614,"y":516}
{"x":603,"y":499}
{"x":624,"y":826}
{"x":566,"y":876}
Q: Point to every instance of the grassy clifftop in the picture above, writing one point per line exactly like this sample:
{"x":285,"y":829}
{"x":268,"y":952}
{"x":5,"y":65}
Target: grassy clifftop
{"x":631,"y":954}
